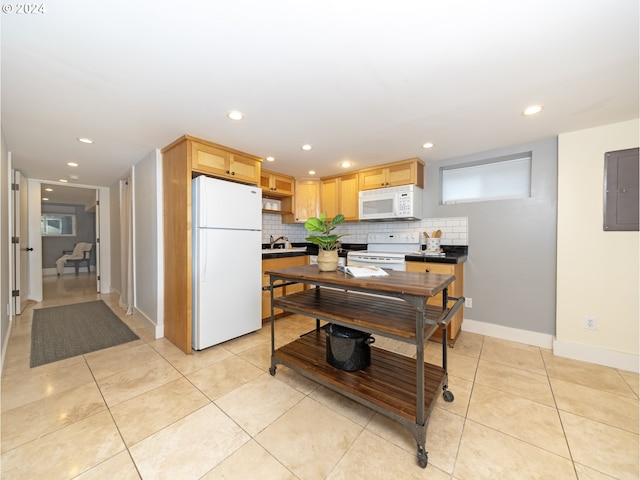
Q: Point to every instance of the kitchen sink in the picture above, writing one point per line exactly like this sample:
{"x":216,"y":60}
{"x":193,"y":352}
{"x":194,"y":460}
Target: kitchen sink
{"x":284,"y":250}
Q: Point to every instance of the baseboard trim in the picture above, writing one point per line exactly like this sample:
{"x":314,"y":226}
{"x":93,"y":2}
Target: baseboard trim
{"x":48,"y":272}
{"x":156,"y":330}
{"x":575,"y":351}
{"x":597,"y":355}
{"x":5,"y":344}
{"x":527,"y":337}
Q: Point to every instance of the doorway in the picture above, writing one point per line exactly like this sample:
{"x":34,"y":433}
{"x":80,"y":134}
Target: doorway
{"x":69,"y":215}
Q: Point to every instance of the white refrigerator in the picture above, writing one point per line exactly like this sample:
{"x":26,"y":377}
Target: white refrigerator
{"x":227,"y":259}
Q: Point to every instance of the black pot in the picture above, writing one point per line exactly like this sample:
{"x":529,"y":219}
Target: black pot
{"x":348,"y":349}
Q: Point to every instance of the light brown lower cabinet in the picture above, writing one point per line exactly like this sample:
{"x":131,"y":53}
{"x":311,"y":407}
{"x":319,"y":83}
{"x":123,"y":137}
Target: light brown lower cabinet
{"x":456,"y":289}
{"x":275,"y":263}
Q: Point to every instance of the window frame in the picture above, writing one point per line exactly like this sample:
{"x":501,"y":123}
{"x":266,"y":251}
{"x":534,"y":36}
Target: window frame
{"x":525,"y":193}
{"x":46,"y":217}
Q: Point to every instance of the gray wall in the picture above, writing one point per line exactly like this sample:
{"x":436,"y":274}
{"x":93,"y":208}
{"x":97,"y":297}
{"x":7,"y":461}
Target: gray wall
{"x":52,"y":247}
{"x":511,"y":270}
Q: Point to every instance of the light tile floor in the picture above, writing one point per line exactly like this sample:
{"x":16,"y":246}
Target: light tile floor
{"x":146,"y":410}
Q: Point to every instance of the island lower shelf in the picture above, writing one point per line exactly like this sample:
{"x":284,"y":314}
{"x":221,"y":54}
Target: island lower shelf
{"x":388,"y":385}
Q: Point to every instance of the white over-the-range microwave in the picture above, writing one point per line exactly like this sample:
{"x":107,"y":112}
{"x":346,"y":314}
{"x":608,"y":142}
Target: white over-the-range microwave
{"x":392,"y":203}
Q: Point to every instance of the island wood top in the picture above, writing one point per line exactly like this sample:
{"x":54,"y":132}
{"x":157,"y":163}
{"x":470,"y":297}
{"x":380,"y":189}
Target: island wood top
{"x":406,"y":283}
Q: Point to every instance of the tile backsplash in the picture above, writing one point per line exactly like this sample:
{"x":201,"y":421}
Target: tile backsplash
{"x":455,"y":230}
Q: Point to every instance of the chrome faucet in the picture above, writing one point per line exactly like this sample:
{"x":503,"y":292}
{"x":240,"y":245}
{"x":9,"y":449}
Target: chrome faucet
{"x":272,"y":242}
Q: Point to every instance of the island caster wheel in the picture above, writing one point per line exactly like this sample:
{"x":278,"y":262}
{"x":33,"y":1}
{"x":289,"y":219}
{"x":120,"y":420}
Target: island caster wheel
{"x":272,"y":371}
{"x":448,"y":396}
{"x":423,"y":457}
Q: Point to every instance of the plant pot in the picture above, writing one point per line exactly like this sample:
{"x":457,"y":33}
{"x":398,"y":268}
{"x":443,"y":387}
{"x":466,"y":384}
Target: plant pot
{"x":327,"y":260}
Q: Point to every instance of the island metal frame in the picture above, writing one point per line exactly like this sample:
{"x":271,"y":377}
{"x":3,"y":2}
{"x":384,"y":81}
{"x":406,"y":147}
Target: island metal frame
{"x":394,"y":385}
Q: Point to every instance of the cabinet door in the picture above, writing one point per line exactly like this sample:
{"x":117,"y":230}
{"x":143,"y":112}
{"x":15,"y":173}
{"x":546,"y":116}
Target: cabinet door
{"x":403,"y":174}
{"x":244,"y":169}
{"x":329,"y":197}
{"x":306,"y":200}
{"x":282,"y":184}
{"x":273,"y":263}
{"x":374,"y":178}
{"x":348,"y":196}
{"x":276,"y":183}
{"x":208,"y":159}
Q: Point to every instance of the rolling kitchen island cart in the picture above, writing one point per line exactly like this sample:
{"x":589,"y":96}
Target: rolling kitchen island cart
{"x":397,"y":386}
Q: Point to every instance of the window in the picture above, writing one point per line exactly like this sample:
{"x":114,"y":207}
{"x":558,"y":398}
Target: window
{"x":494,"y":179}
{"x":56,"y":225}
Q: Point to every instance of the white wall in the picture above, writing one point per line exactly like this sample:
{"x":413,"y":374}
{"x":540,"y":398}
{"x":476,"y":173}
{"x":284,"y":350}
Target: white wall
{"x":114,"y":237}
{"x":147,"y":239}
{"x":5,"y":270}
{"x":146,"y":235}
{"x":597,"y":270}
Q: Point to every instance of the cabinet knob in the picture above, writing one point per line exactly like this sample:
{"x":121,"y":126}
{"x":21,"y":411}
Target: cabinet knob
{"x":426,"y":270}
{"x":233,"y":173}
{"x":228,"y":172}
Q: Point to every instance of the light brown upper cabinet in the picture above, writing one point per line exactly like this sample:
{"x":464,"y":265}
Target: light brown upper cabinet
{"x":306,"y":201}
{"x":340,"y":195}
{"x":406,"y":172}
{"x":219,"y":161}
{"x":276,"y":184}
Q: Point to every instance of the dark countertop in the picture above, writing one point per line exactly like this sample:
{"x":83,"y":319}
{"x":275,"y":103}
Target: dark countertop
{"x":453,"y":254}
{"x":311,"y":249}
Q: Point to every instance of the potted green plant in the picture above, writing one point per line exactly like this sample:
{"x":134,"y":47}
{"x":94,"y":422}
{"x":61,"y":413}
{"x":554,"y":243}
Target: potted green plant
{"x":327,"y":242}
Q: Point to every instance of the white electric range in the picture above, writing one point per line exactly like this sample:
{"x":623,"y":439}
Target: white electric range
{"x":386,"y":250}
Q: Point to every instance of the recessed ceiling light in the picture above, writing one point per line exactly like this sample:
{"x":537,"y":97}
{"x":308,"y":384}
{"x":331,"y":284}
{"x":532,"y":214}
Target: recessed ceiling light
{"x":45,"y":199}
{"x":72,"y":164}
{"x":306,"y":147}
{"x":270,"y":159}
{"x":427,"y":145}
{"x":345,"y":164}
{"x":48,"y":189}
{"x":235,"y":115}
{"x":63,"y":180}
{"x":532,"y":110}
{"x":312,"y":172}
{"x":85,"y":140}
{"x":74,"y":177}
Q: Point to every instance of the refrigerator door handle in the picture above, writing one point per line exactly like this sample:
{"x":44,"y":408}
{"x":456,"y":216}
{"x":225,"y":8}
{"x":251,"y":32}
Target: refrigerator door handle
{"x":203,"y":258}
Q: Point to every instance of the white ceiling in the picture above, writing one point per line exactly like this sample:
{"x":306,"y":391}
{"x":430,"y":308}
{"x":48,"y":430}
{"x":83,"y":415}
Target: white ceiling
{"x":367,"y":81}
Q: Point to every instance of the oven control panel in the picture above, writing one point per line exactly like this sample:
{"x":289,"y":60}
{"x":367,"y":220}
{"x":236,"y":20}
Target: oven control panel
{"x":393,"y":238}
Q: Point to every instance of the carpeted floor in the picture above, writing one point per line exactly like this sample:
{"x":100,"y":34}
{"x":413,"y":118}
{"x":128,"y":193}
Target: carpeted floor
{"x":69,"y":330}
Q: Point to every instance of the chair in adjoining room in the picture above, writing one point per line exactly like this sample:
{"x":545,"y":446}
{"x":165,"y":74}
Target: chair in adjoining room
{"x":80,"y":255}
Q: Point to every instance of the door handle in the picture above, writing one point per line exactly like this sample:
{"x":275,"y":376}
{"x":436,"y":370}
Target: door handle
{"x":29,"y":249}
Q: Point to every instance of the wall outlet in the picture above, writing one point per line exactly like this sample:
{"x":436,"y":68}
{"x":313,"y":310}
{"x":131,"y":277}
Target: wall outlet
{"x":468,"y":302}
{"x":590,"y":323}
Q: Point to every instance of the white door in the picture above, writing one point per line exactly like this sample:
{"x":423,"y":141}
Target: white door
{"x":20,"y":242}
{"x":97,"y":243}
